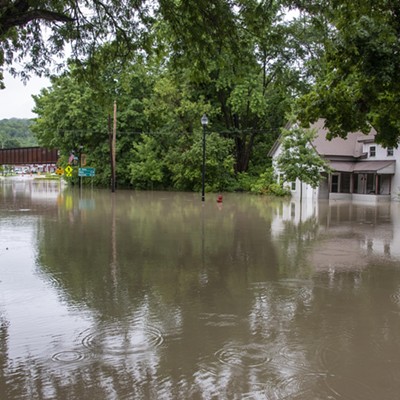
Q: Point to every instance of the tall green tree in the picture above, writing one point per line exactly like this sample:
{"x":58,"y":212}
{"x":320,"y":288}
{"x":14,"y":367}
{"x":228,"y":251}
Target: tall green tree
{"x":146,"y":167}
{"x":184,"y":162}
{"x":358,"y":84}
{"x":249,"y":73}
{"x":75,"y":115}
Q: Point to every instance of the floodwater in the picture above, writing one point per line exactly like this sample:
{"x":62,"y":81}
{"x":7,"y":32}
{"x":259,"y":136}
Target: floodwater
{"x":154,"y":295}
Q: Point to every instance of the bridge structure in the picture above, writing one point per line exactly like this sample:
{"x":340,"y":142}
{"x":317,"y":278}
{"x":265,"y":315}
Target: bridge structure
{"x":28,"y":156}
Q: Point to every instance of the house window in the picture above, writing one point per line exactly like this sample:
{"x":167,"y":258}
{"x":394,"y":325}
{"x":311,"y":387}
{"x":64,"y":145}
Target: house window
{"x":293,"y":186}
{"x":372,"y":151}
{"x":345,"y":181}
{"x":389,"y":151}
{"x":335,"y":183}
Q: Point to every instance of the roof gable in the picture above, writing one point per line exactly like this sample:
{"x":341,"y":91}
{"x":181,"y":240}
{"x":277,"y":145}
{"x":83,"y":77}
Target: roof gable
{"x":337,"y":147}
{"x":350,"y":147}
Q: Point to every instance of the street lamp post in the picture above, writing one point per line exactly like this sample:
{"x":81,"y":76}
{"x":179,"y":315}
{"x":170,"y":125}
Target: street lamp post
{"x":113,"y":147}
{"x":204,"y":122}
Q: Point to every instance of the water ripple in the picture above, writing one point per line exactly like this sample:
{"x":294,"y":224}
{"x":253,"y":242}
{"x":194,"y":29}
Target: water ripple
{"x":296,"y":387}
{"x":395,"y":297}
{"x":251,"y":355}
{"x":297,"y":356}
{"x":122,"y":340}
{"x":68,"y":356}
{"x":350,"y":389}
{"x":219,"y":320}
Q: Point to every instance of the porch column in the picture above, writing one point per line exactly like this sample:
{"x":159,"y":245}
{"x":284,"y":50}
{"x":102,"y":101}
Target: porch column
{"x":351,"y":183}
{"x":364,"y":183}
{"x":376,"y":184}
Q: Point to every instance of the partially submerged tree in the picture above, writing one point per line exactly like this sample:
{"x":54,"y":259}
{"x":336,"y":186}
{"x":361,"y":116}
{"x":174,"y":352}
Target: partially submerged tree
{"x":299,"y":159}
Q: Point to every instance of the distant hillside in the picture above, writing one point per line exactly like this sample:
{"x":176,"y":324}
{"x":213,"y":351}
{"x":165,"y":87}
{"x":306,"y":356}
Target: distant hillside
{"x":16,"y":132}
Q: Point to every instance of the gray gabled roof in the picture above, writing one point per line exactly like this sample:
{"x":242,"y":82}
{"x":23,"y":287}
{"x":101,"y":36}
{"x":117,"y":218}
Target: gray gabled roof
{"x":351,"y":147}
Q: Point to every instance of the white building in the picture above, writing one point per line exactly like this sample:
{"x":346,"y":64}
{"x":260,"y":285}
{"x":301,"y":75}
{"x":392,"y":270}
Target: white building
{"x":362,"y":169}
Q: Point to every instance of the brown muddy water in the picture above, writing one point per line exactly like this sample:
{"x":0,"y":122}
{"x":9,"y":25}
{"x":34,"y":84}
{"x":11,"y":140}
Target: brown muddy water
{"x":157,"y":296}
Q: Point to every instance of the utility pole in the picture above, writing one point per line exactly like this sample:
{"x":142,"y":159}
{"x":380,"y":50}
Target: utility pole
{"x":113,"y":145}
{"x":110,"y":136}
{"x":204,"y":123}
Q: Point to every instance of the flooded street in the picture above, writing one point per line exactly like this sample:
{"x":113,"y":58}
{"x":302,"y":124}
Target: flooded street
{"x":154,"y":295}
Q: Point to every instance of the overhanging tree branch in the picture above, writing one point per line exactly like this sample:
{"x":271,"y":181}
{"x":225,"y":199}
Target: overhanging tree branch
{"x":8,"y":21}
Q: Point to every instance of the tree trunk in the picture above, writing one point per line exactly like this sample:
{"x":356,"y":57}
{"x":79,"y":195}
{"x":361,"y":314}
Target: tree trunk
{"x":244,"y":149}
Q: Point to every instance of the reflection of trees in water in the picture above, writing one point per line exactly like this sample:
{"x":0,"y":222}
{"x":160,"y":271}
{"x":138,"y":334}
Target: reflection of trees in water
{"x":162,"y":332}
{"x":285,"y":345}
{"x":163,"y":241}
{"x":160,"y":257}
{"x":295,"y":243}
{"x":330,"y":327}
{"x":3,"y":355}
{"x":33,"y":380}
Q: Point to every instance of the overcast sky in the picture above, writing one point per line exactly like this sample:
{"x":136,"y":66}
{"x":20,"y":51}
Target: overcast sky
{"x":16,"y":99}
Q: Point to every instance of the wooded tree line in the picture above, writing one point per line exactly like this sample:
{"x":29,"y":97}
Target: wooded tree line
{"x":15,"y":132}
{"x":245,"y":63}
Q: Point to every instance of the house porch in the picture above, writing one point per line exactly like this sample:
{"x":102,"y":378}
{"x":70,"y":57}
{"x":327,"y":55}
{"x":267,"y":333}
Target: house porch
{"x":364,"y":181}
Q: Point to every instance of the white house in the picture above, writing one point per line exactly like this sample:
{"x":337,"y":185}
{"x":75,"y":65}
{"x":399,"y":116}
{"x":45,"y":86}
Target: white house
{"x":362,"y":170}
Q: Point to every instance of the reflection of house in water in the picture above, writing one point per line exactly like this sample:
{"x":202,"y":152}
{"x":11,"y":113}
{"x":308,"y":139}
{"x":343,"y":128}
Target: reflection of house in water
{"x":45,"y":190}
{"x":40,"y":193}
{"x":345,"y":235}
{"x":293,"y":211}
{"x":375,"y":228}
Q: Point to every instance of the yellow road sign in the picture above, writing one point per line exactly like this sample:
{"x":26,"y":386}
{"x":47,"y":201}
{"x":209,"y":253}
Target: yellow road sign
{"x":68,"y":170}
{"x":60,"y":171}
